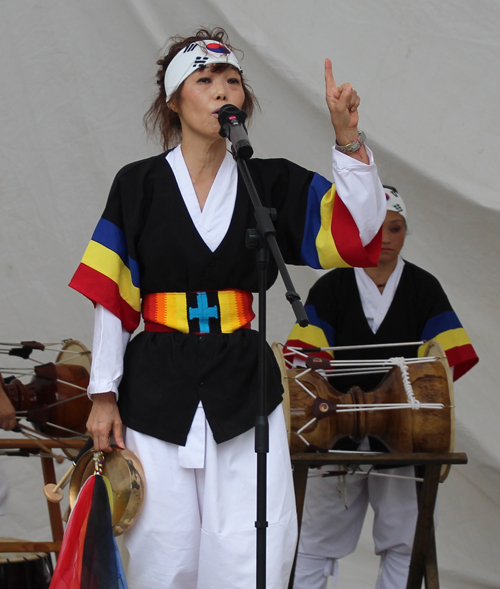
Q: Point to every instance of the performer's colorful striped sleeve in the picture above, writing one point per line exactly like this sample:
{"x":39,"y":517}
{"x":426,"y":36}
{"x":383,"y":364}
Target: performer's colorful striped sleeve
{"x":318,"y":334}
{"x":331,"y":237}
{"x":448,"y":331}
{"x":108,"y":276}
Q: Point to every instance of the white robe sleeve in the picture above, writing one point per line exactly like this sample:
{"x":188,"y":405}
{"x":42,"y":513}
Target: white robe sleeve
{"x":110,"y":341}
{"x":360,"y":189}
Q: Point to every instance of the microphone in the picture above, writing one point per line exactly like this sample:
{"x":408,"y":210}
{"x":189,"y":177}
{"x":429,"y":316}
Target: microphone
{"x":232,"y":126}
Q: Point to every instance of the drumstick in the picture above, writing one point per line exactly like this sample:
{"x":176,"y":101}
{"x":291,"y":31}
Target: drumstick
{"x":54,"y":493}
{"x":38,"y":441}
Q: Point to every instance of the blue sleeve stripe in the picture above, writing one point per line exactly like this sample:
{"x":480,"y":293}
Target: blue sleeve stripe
{"x":327,"y":329}
{"x":110,"y":236}
{"x":439,"y":324}
{"x":317,"y":190}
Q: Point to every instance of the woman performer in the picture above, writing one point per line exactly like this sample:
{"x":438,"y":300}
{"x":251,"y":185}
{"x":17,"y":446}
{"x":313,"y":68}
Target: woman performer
{"x":171,"y":244}
{"x":393,"y":302}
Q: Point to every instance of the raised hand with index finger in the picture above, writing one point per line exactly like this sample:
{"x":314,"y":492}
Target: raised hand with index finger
{"x":343,"y":102}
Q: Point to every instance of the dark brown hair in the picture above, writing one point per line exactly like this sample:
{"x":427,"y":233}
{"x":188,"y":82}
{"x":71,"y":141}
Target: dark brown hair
{"x":161,"y":120}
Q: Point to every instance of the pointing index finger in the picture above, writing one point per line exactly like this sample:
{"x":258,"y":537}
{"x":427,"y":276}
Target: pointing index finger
{"x":331,"y":86}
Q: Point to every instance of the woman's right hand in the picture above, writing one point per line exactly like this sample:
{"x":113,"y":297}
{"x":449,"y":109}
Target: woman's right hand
{"x":104,"y":420}
{"x":343,"y":102}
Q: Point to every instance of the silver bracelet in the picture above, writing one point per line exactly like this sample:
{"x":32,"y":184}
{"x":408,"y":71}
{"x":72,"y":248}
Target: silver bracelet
{"x":354,"y":146}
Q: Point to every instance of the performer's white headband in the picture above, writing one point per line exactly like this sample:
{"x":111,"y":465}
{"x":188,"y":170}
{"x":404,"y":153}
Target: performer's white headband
{"x":194,"y":56}
{"x":395,"y":202}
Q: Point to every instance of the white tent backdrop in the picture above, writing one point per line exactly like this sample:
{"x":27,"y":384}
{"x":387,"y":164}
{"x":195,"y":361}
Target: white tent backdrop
{"x":75,"y":80}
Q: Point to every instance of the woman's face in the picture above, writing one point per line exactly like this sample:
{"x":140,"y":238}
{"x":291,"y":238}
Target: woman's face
{"x":203,"y":94}
{"x":393,"y":236}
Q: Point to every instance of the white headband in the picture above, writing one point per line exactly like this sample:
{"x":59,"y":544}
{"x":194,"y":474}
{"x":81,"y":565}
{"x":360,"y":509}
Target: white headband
{"x":395,"y":202}
{"x":193,"y":57}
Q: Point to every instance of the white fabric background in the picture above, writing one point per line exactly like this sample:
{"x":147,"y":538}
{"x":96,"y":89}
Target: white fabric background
{"x":75,"y":80}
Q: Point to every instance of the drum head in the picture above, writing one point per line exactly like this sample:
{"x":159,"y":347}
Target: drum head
{"x":128,"y":484}
{"x":277,"y":348}
{"x":74,"y":352}
{"x":435,"y":349}
{"x":306,"y":401}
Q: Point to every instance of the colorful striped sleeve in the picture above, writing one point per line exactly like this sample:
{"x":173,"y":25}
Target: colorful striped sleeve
{"x":109,"y":276}
{"x":331,"y":237}
{"x":318,"y":334}
{"x":448,"y":331}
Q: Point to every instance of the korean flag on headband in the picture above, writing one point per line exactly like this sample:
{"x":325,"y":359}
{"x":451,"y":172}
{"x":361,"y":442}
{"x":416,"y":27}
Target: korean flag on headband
{"x":215,"y":47}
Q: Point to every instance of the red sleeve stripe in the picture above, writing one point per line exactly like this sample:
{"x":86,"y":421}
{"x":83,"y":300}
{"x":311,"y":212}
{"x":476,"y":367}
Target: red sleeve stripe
{"x":103,"y":291}
{"x":346,"y":236}
{"x":463,"y":358}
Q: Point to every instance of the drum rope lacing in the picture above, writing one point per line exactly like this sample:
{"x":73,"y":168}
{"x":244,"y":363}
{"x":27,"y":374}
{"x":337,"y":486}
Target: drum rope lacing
{"x":402,"y":363}
{"x":403,"y":367}
{"x":381,"y":366}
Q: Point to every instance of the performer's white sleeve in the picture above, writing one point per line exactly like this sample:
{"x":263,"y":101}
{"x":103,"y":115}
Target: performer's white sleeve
{"x":360,"y":189}
{"x":110,"y":341}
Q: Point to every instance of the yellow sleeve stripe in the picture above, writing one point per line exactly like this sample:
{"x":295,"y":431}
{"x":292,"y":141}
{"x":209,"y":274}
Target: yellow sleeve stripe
{"x":328,"y":253}
{"x":109,"y":264}
{"x":311,"y":336}
{"x":453,"y":338}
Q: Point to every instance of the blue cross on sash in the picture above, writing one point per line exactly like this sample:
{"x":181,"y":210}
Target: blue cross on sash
{"x":203,"y":312}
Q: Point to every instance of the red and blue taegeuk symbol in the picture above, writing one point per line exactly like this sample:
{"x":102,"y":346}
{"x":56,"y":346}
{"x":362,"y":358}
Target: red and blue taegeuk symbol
{"x":217,"y":48}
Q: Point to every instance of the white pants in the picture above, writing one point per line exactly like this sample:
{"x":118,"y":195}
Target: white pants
{"x":197,"y":526}
{"x":329,"y":531}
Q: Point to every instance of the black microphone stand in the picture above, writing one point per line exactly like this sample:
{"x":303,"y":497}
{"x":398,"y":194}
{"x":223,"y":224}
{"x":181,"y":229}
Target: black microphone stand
{"x":263,"y":239}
